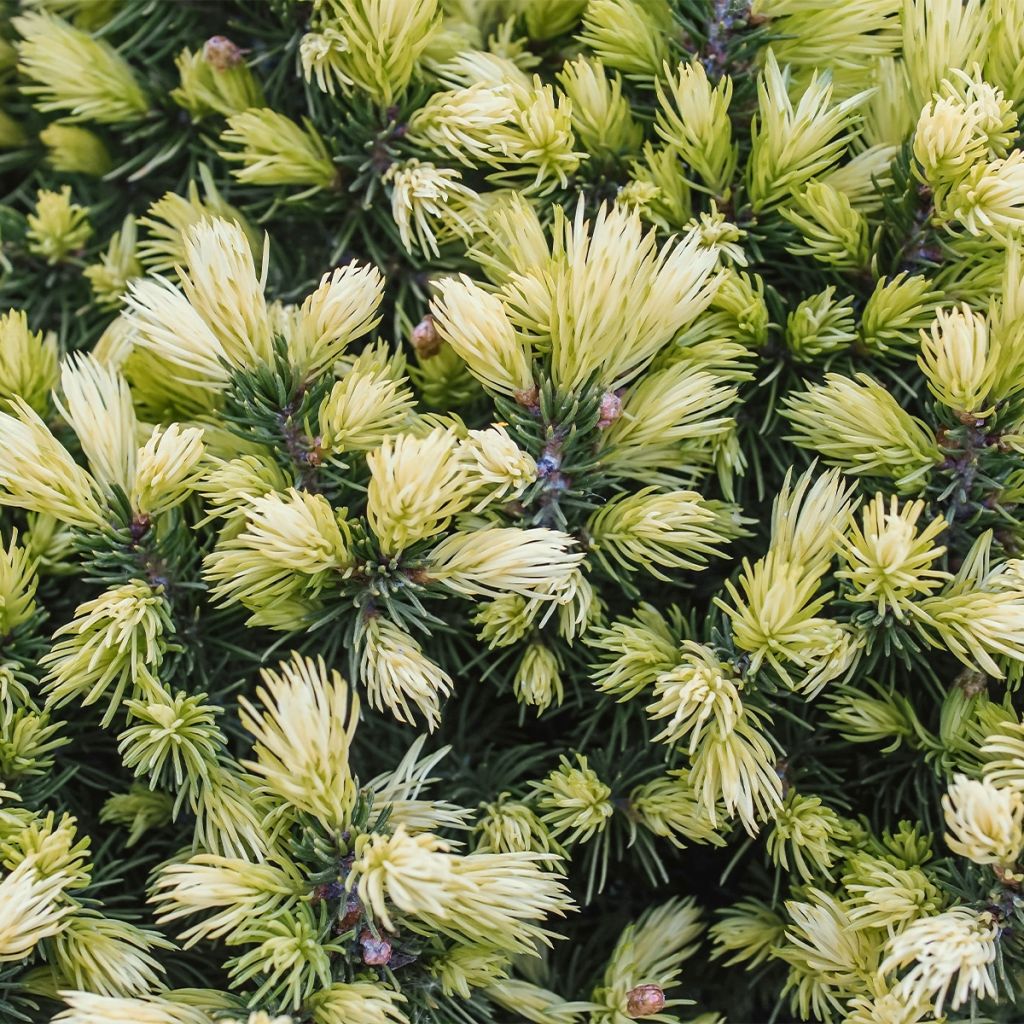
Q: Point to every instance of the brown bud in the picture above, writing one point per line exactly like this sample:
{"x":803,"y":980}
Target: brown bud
{"x":1007,"y":876}
{"x":376,"y":952}
{"x":140,"y":526}
{"x":528,"y":397}
{"x":316,"y":453}
{"x":222,"y":54}
{"x":972,"y":683}
{"x":611,"y":410}
{"x":353,"y":911}
{"x":970,"y":419}
{"x":644,"y":1001}
{"x":425,"y":338}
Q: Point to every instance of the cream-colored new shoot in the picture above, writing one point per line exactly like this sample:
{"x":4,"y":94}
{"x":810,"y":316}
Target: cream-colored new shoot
{"x":303,"y":736}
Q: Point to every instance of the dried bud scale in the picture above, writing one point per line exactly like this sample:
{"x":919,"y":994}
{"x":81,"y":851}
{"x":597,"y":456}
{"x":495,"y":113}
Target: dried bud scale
{"x":222,"y":53}
{"x":644,"y":1001}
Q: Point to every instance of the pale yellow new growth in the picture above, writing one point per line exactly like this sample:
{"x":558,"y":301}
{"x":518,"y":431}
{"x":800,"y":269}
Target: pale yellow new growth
{"x":114,"y":642}
{"x":274,"y":150}
{"x":698,"y":690}
{"x":629,"y":35}
{"x":507,"y":826}
{"x":464,"y":122}
{"x":493,"y":899}
{"x":834,"y":232}
{"x":38,"y":474}
{"x":856,"y":423}
{"x":496,"y":467}
{"x":650,"y":951}
{"x":89,"y":1008}
{"x":635,"y":651}
{"x":977,"y":626}
{"x":18,"y":582}
{"x":107,"y":956}
{"x":213,"y":85}
{"x":609,"y":298}
{"x":888,"y":561}
{"x":414,"y":873}
{"x":573,"y":801}
{"x":940,"y":36}
{"x":519,"y":128}
{"x":375,"y":45}
{"x":57,"y":227}
{"x":693,"y":119}
{"x":774,"y":617}
{"x":656,"y":531}
{"x":221,"y":284}
{"x":97,"y":405}
{"x":958,"y":944}
{"x":538,"y":679}
{"x":403,"y":790}
{"x":985,"y":823}
{"x":806,"y":836}
{"x":416,"y":488}
{"x":958,"y":360}
{"x":215,"y":321}
{"x":427,"y":204}
{"x":477,"y":326}
{"x":363,"y":408}
{"x":508,"y":236}
{"x":463,"y":968}
{"x":298,"y":531}
{"x":395,"y":671}
{"x":534,"y":1003}
{"x":805,"y":513}
{"x":533,"y":562}
{"x":170,"y":217}
{"x":75,"y":150}
{"x":358,"y":1002}
{"x":667,"y":415}
{"x":229,"y":892}
{"x":303,"y":737}
{"x":343,"y":308}
{"x":291,"y":546}
{"x":31,"y":909}
{"x":821,"y":940}
{"x":69,"y":71}
{"x":668,"y":806}
{"x":109,"y":276}
{"x":791,"y":144}
{"x":968,"y":121}
{"x":167,"y":469}
{"x":28,"y":362}
{"x":735,"y":769}
{"x":601,"y":115}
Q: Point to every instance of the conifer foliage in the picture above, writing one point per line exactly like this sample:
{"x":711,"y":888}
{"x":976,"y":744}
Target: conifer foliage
{"x":511,"y":510}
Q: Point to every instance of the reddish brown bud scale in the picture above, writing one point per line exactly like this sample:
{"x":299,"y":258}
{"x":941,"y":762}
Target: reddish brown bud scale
{"x":425,"y":338}
{"x":644,"y":1001}
{"x":353,"y":911}
{"x":528,"y":398}
{"x":611,"y":409}
{"x":222,"y":54}
{"x":376,"y":952}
